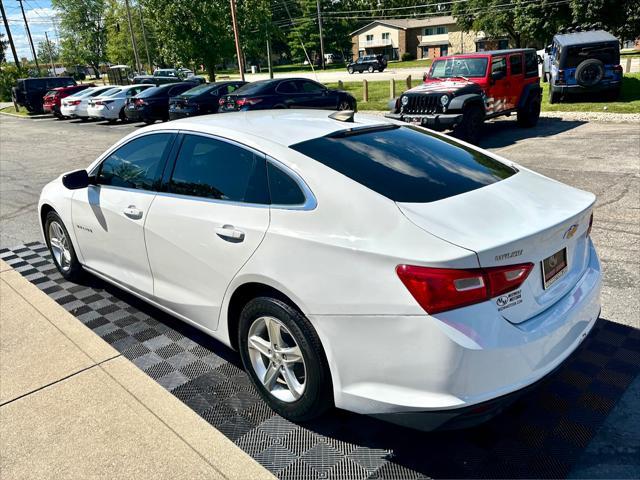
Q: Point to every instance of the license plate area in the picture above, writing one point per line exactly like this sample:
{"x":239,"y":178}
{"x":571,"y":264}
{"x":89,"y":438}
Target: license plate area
{"x":554,"y":267}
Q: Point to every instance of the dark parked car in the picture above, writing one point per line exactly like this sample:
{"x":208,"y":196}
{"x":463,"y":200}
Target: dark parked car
{"x":584,"y":62}
{"x":167,"y":75}
{"x":287,"y":93}
{"x":29,"y":92}
{"x":368,"y":63}
{"x":153,"y":103}
{"x":200,"y":100}
{"x":52,"y":101}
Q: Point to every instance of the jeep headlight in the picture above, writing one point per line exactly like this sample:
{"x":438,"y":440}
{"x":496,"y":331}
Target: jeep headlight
{"x":444,"y":100}
{"x":404,"y":100}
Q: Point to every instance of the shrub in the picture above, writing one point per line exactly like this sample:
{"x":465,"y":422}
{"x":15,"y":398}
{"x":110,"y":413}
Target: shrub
{"x":8,"y":77}
{"x":406,"y":56}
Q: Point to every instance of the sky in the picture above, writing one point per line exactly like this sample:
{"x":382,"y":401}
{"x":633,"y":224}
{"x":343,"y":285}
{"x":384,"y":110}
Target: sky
{"x":40,"y":16}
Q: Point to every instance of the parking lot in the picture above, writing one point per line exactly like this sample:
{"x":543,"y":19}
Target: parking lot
{"x":583,"y":422}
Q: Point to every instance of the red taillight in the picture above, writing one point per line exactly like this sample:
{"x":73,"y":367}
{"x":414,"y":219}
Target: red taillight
{"x":590,"y":224}
{"x":74,"y":102}
{"x":618,"y":69}
{"x":441,"y":289}
{"x":139,"y":101}
{"x":221,"y":102}
{"x":247,"y":101}
{"x":560,"y":79}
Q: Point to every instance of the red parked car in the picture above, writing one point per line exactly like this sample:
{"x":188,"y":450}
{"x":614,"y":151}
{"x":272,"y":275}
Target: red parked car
{"x":460,"y":92}
{"x":53,"y":98}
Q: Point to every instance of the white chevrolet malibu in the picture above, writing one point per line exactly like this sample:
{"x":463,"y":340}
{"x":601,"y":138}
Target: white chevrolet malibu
{"x":353,"y":261}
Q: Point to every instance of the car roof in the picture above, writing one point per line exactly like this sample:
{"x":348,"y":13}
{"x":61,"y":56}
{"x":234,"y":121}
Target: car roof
{"x":488,"y":53}
{"x":283,"y":127}
{"x":594,"y":36}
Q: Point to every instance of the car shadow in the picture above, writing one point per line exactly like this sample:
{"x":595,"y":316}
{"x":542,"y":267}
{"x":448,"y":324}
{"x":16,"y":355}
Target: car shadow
{"x":540,"y":435}
{"x":505,"y":132}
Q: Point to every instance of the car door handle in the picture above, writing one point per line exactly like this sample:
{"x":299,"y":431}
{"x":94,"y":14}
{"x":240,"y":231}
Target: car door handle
{"x":133,"y":212}
{"x":230,"y":233}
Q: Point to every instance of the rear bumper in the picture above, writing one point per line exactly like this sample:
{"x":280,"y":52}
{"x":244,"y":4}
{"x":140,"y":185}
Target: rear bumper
{"x":436,"y":121}
{"x":134,"y":115}
{"x":177,"y":114}
{"x":425,"y":371}
{"x":600,"y":87}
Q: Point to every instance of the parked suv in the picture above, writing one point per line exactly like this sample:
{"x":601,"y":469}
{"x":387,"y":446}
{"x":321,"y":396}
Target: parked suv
{"x":368,"y":63}
{"x":29,"y":92}
{"x":460,"y":92}
{"x":584,"y":62}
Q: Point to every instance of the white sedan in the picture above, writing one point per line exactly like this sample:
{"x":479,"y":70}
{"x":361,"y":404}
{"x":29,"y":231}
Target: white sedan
{"x":75,"y":106}
{"x":358,"y":262}
{"x":110,"y":105}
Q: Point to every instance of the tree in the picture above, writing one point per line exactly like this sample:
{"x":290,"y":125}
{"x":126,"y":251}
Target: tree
{"x":619,"y":17}
{"x":3,"y":48}
{"x":48,"y":50}
{"x":83,"y":30}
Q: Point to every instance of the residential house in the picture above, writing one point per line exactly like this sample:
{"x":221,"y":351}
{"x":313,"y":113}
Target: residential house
{"x":422,"y":38}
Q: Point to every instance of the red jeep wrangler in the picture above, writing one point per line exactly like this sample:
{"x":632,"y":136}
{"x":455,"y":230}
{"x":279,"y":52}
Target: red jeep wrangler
{"x":460,"y":92}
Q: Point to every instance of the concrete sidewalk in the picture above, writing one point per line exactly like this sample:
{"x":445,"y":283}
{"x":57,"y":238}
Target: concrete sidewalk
{"x":72,"y":407}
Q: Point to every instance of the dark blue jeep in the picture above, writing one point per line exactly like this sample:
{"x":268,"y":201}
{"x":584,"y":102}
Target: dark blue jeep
{"x":584,"y":62}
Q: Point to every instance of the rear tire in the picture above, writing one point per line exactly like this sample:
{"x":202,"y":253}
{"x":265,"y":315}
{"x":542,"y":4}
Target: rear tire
{"x":350,"y":70}
{"x":554,"y":97}
{"x":470,"y":128}
{"x":260,"y":318}
{"x":61,"y":249}
{"x":370,"y":69}
{"x":529,"y":114}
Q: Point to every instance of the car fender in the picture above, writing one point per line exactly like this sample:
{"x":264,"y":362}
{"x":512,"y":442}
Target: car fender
{"x":458,"y":103}
{"x":527,"y":91}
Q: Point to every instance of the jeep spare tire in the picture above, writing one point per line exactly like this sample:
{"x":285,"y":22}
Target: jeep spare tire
{"x":590,"y":72}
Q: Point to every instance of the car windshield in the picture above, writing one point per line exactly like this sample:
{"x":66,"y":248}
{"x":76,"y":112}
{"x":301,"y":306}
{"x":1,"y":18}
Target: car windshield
{"x":405,"y":164}
{"x":459,"y":67}
{"x":606,"y":53}
{"x":197,"y":90}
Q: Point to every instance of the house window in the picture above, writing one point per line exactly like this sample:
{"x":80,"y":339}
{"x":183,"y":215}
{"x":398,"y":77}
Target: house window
{"x":428,"y":31}
{"x":370,"y":38}
{"x":441,"y":30}
{"x":385,"y":36}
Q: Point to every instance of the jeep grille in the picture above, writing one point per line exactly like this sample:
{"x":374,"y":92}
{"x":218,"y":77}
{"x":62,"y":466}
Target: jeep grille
{"x":422,"y":104}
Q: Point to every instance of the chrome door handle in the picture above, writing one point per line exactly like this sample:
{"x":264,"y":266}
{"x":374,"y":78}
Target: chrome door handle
{"x":229,"y":232}
{"x":132,"y":212}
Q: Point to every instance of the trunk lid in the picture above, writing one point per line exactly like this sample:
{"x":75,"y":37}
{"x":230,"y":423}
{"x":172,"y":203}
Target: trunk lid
{"x":525,"y":218}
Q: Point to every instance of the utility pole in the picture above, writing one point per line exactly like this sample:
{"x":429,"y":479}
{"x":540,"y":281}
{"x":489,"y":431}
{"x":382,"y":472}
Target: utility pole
{"x":237,"y":38}
{"x":269,"y":57}
{"x":321,"y":39}
{"x":144,"y":36}
{"x":26,"y":24}
{"x":6,"y":27}
{"x":53,"y":67}
{"x":133,"y":37}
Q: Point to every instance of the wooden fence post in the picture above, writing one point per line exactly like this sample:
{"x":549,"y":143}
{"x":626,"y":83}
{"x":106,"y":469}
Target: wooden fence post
{"x":392,"y":89}
{"x":408,"y":82}
{"x":365,"y":91}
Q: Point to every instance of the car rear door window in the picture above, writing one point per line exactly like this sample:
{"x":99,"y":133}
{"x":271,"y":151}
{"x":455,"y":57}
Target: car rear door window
{"x":288,"y":87}
{"x":515,"y":63}
{"x":283,"y":189}
{"x":499,"y":65}
{"x":405,"y":164}
{"x":137,"y":164}
{"x":310,"y":87}
{"x":211,"y":168}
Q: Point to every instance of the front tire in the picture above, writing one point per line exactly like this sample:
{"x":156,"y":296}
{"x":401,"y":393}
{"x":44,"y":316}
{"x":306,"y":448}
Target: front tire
{"x":284,"y":359}
{"x":370,"y":69}
{"x":529,"y":114}
{"x":470,"y":128}
{"x":61,"y":249}
{"x":350,"y":70}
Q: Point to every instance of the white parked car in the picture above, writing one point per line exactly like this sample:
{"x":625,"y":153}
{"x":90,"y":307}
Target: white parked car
{"x":376,"y":266}
{"x":75,"y":106}
{"x":110,"y":105}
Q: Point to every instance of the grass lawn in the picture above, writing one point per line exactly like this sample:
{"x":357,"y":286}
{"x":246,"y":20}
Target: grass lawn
{"x":629,"y":101}
{"x":410,"y":64}
{"x":23,"y":111}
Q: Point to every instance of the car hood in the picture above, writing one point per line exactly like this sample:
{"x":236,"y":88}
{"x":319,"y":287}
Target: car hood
{"x":457,"y":86}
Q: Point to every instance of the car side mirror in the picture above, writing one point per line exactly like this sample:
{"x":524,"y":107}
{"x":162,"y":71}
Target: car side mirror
{"x":76,"y":180}
{"x":495,"y":76}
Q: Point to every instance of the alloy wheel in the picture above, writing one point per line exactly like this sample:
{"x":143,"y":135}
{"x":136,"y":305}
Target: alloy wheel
{"x":60,"y":246}
{"x":276,"y":359}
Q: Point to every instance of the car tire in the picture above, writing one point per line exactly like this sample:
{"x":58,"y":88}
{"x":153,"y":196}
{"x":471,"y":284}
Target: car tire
{"x":529,"y":114}
{"x":149,"y":121}
{"x":350,"y":70}
{"x":297,"y":389}
{"x":470,"y":128}
{"x":589,"y":72}
{"x":554,"y":97}
{"x":61,"y":249}
{"x":123,"y":118}
{"x":370,"y":69}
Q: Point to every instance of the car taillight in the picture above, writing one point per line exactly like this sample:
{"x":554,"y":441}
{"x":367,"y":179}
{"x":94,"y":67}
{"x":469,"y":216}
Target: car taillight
{"x":560,"y":79}
{"x":247,"y":101}
{"x":139,"y":101}
{"x":221,"y":102}
{"x":74,"y":102}
{"x":618,"y":69}
{"x":441,"y":289}
{"x":590,"y":224}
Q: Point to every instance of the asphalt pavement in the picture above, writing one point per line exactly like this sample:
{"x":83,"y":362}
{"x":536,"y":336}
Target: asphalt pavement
{"x":603,"y":158}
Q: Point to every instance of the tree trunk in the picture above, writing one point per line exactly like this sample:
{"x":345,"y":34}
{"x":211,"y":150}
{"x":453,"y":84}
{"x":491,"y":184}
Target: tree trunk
{"x":210,"y":66}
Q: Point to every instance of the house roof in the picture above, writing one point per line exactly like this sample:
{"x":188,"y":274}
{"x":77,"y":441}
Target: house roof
{"x":406,"y":23}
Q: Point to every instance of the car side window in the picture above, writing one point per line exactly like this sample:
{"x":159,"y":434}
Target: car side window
{"x":210,"y":168}
{"x":311,"y":87}
{"x":515,"y":63}
{"x":499,"y":65}
{"x":283,"y":189}
{"x":287,"y":87}
{"x":530,"y":64}
{"x":137,"y":164}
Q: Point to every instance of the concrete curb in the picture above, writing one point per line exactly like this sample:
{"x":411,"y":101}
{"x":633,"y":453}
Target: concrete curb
{"x":87,"y":377}
{"x":9,"y":114}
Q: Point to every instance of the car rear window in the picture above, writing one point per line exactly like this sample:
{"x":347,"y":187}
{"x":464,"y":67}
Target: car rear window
{"x":253,"y":88}
{"x":606,"y":53}
{"x":405,"y":164}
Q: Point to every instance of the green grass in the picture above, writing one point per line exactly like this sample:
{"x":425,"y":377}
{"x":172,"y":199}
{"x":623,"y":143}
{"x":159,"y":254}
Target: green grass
{"x":629,"y":101}
{"x":23,"y":111}
{"x":410,"y":64}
